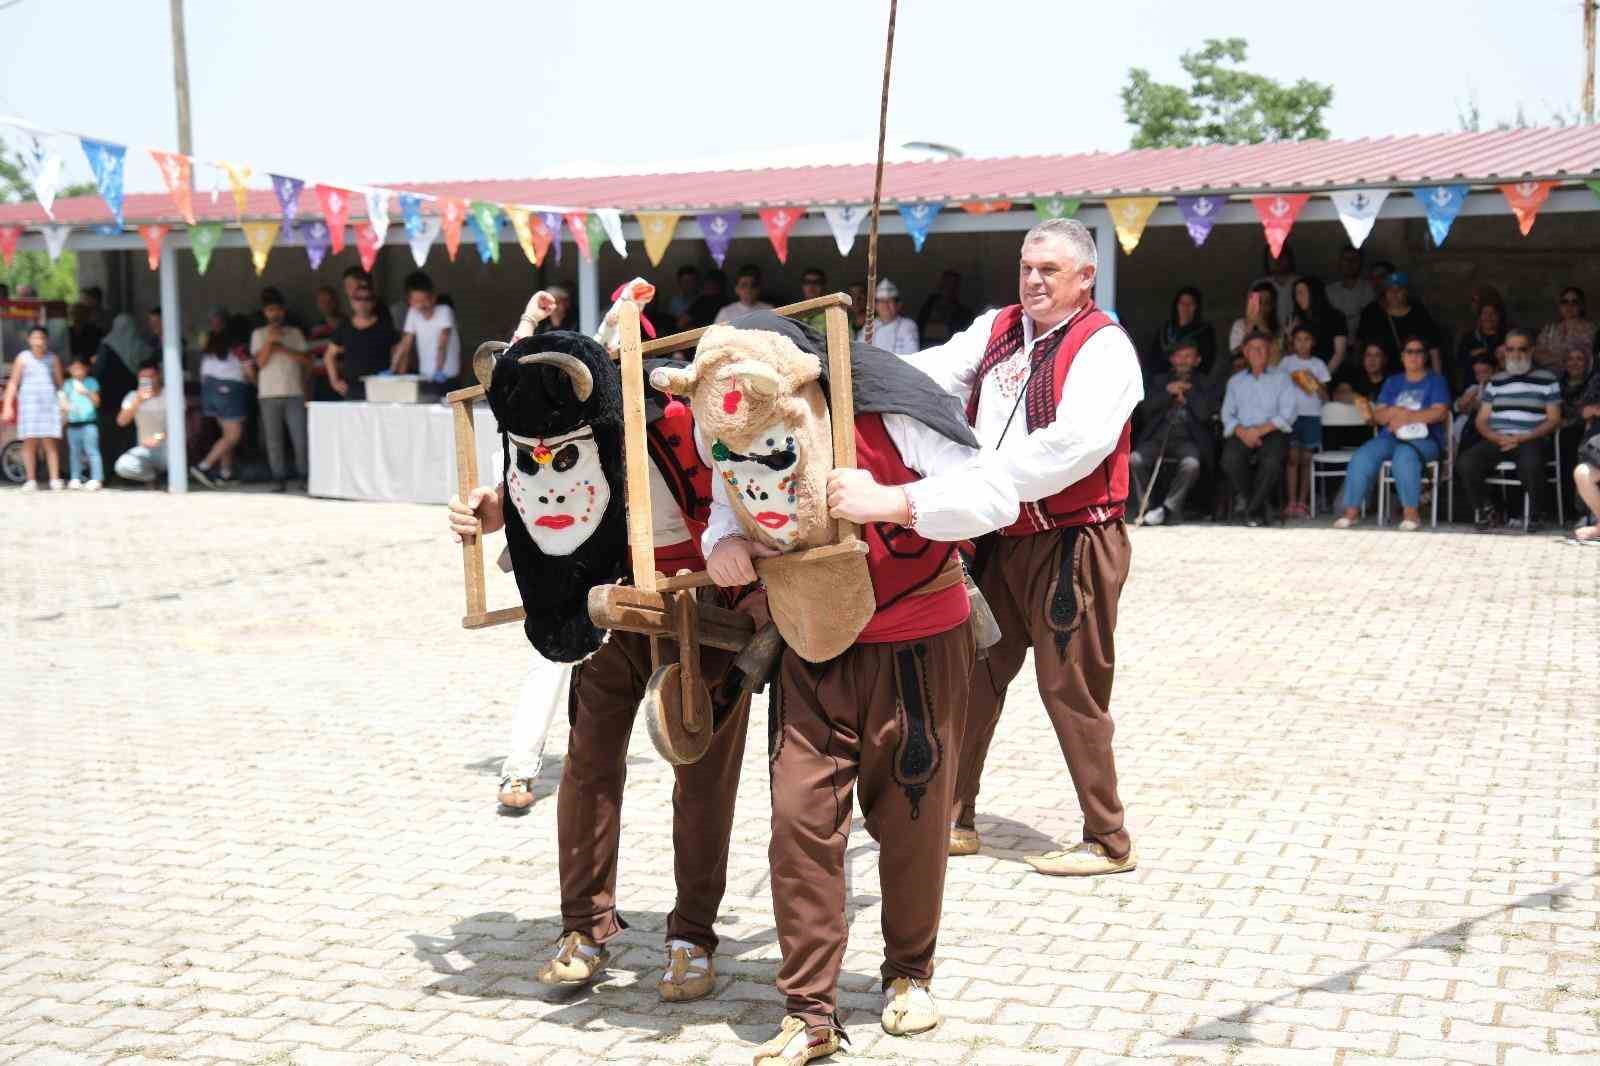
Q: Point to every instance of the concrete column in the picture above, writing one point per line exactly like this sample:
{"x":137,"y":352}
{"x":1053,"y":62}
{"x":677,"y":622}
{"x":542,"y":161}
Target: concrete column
{"x":1105,"y":280}
{"x":589,"y":292}
{"x":172,"y":370}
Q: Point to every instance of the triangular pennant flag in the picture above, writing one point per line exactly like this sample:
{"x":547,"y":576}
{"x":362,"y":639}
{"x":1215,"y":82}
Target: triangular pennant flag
{"x":1048,"y":207}
{"x":203,"y":241}
{"x":317,"y":237}
{"x":55,"y":239}
{"x":1358,"y":210}
{"x":779,"y":221}
{"x":596,"y":231}
{"x":259,"y":236}
{"x":1594,"y":187}
{"x":552,"y":224}
{"x":658,"y":227}
{"x":43,"y":165}
{"x":845,"y":221}
{"x":1525,"y":198}
{"x":985,"y":207}
{"x":238,"y":174}
{"x":378,"y":214}
{"x":422,"y":239}
{"x":1442,"y":204}
{"x":335,"y":204}
{"x":106,"y":229}
{"x":452,"y":213}
{"x":519,"y":226}
{"x":288,"y":193}
{"x":106,"y":162}
{"x":1277,"y":214}
{"x":8,"y":243}
{"x":1129,"y":214}
{"x":611,"y":219}
{"x":918,"y":218}
{"x":1200,"y":213}
{"x":717,"y":228}
{"x":580,"y":233}
{"x":177,"y":172}
{"x":411,"y":213}
{"x":485,"y":219}
{"x":367,"y":244}
{"x":153,"y":235}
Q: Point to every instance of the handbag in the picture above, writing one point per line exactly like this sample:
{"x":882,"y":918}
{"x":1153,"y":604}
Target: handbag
{"x":1589,"y":451}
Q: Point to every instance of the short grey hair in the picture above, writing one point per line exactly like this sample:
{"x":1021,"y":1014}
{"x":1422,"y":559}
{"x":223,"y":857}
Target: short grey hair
{"x":1078,"y":237}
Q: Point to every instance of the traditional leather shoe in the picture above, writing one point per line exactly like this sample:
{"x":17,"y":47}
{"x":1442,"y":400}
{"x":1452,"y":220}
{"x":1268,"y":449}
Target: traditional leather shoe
{"x":795,"y":1045}
{"x":908,"y":1008}
{"x":690,"y":974}
{"x":516,"y":793}
{"x":963,"y":841}
{"x":1082,"y":860}
{"x":574,"y":963}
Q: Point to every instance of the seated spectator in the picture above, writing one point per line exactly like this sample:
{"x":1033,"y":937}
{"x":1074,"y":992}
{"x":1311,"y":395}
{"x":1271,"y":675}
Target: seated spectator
{"x":1484,"y":338}
{"x":1465,"y":427}
{"x":279,"y":350}
{"x":1257,"y":416}
{"x":565,"y":315}
{"x":1351,"y":293}
{"x":145,"y":408}
{"x":748,"y":291}
{"x":713,"y":298}
{"x":1575,"y":377}
{"x":1395,"y":316}
{"x":1260,"y":316}
{"x":1185,"y":325}
{"x":688,"y":291}
{"x":943,"y":315}
{"x":80,"y":401}
{"x":1176,"y":414}
{"x":1413,"y":412}
{"x":1312,"y":310}
{"x":1364,"y":380}
{"x":1586,"y":475}
{"x":1279,"y":272}
{"x":225,"y":393}
{"x":1572,"y":326}
{"x":1310,"y":377}
{"x":430,"y":331}
{"x":892,"y":331}
{"x":1378,"y":274}
{"x":858,"y":305}
{"x":364,"y":346}
{"x":1520,"y":409}
{"x":813,"y":284}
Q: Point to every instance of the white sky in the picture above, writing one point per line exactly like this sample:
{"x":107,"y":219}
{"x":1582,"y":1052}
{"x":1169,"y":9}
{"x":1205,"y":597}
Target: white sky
{"x":398,"y":90}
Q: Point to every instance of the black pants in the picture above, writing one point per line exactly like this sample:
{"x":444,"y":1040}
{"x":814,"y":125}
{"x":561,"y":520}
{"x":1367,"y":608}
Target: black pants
{"x":1478,"y":462}
{"x":1255,"y":486}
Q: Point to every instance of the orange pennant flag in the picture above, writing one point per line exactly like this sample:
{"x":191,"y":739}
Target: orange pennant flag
{"x":367,"y":244}
{"x":452,"y":212}
{"x":1525,"y":198}
{"x":153,"y":236}
{"x":986,"y":207}
{"x":178,"y":173}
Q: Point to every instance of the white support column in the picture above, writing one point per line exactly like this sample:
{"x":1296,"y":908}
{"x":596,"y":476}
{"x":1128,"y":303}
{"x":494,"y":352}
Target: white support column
{"x":172,"y":370}
{"x":588,"y":292}
{"x":1105,"y":279}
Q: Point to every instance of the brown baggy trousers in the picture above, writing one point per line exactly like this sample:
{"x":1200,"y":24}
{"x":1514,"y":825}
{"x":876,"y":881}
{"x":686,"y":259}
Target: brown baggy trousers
{"x":1074,"y":663}
{"x":883,"y":714}
{"x":606,"y":689}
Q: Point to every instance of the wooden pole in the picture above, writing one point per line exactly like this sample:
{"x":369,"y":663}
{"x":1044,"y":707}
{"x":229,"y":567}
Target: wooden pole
{"x":877,"y":182}
{"x":1588,"y":60}
{"x":180,"y":78}
{"x":636,"y":452}
{"x":466,"y":481}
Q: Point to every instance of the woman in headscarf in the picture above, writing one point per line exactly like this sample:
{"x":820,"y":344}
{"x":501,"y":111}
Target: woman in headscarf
{"x":115,"y":367}
{"x":1186,"y":324}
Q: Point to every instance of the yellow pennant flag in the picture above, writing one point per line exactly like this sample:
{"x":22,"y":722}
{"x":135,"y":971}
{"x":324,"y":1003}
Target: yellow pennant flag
{"x":658,"y":227}
{"x":238,"y":174}
{"x":259,"y":235}
{"x":524,"y":232}
{"x":1129,"y":215}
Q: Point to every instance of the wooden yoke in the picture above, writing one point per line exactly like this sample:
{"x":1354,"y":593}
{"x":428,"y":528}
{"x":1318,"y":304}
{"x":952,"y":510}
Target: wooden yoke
{"x":636,"y":450}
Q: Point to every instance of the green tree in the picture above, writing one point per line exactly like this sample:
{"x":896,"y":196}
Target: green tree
{"x":1224,"y":103}
{"x":53,"y":281}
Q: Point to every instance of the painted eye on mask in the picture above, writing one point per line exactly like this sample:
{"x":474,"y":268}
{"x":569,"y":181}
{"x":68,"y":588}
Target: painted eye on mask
{"x":527,"y":463}
{"x":566,"y":459}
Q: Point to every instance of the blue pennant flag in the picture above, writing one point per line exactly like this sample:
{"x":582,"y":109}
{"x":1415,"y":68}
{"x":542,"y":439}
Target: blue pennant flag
{"x":288,"y":191}
{"x":717,"y":228}
{"x":484,"y":218}
{"x":918,"y":218}
{"x":106,"y":161}
{"x":317,"y":237}
{"x":1443,"y":204}
{"x":411,"y":212}
{"x":1200,"y":213}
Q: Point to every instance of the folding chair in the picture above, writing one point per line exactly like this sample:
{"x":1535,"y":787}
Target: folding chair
{"x":1505,"y":475}
{"x":1330,"y":465}
{"x":1442,"y":468}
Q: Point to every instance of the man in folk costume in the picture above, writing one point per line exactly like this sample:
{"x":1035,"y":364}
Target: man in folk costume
{"x":558,"y":400}
{"x":1049,"y":385}
{"x":870,"y":687}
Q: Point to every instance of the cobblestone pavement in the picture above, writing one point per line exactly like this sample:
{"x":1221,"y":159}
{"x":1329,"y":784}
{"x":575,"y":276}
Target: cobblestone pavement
{"x":250,"y":817}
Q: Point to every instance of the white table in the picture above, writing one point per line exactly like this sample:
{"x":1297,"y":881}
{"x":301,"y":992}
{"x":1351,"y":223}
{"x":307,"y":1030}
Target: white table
{"x":402,"y":452}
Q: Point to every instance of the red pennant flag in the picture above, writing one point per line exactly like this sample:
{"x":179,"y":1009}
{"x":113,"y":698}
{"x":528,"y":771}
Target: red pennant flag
{"x":335,"y":204}
{"x":1525,"y":198}
{"x":541,"y":237}
{"x":178,"y":172}
{"x":779,"y":221}
{"x":986,"y":207}
{"x":153,"y":236}
{"x":8,"y":242}
{"x":1277,"y":214}
{"x":580,"y":232}
{"x":452,"y":212}
{"x":367,"y":245}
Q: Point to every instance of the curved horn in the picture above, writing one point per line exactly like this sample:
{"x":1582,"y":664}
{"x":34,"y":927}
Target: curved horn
{"x":483,"y":360}
{"x":571,"y":365}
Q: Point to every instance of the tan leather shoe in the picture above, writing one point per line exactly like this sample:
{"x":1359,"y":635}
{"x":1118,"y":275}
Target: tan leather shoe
{"x":572,"y":967}
{"x":963,"y":841}
{"x":686,"y":979}
{"x":516,"y":793}
{"x":1082,"y":860}
{"x":795,"y":1045}
{"x":908,"y":1008}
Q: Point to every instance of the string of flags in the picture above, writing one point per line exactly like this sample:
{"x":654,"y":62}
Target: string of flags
{"x":537,"y":229}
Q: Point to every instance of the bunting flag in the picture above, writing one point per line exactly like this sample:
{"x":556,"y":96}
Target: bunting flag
{"x":596,"y":232}
{"x":919,"y":217}
{"x":658,"y":227}
{"x":335,"y":204}
{"x":1525,"y":198}
{"x":317,"y":237}
{"x":55,"y":239}
{"x":519,"y":225}
{"x":1442,"y":204}
{"x":1200,"y":213}
{"x":1129,"y":215}
{"x":367,"y":244}
{"x":1358,"y":210}
{"x":259,"y":236}
{"x":452,"y":212}
{"x":552,"y":225}
{"x":203,"y":241}
{"x":580,"y":233}
{"x":106,"y":162}
{"x":1277,"y":214}
{"x":288,"y":192}
{"x":8,"y":243}
{"x":238,"y":174}
{"x":106,"y":229}
{"x":1049,"y":207}
{"x":985,"y":207}
{"x":177,"y":171}
{"x":153,"y":235}
{"x":717,"y":229}
{"x":378,"y":214}
{"x":485,"y":220}
{"x":422,"y":239}
{"x":43,"y":165}
{"x":779,"y":221}
{"x":1594,"y":187}
{"x":611,"y":221}
{"x":845,"y":221}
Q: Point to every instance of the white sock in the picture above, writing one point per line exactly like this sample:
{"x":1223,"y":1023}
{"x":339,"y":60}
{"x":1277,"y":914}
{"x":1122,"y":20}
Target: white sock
{"x":695,"y":963}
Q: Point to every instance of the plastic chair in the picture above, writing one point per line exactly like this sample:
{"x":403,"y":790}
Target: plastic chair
{"x":1444,"y":467}
{"x":1505,"y":475}
{"x":1329,"y":465}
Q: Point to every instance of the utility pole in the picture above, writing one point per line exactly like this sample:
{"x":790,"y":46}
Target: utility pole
{"x":180,"y":77}
{"x":1588,"y":60}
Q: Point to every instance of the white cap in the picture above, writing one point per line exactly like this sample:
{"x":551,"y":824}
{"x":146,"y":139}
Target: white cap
{"x":887,"y":290}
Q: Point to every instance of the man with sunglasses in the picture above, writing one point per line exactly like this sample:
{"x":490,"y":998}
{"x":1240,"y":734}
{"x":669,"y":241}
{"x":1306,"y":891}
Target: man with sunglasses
{"x":366,"y":342}
{"x":1520,"y":409}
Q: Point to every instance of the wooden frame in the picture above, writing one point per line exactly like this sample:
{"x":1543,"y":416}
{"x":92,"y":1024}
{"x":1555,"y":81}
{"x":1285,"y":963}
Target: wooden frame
{"x":478,"y":615}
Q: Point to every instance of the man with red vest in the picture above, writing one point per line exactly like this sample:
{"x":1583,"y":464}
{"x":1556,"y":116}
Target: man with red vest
{"x":1049,"y":386}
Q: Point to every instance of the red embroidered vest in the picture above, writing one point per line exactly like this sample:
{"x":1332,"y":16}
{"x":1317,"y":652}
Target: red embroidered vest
{"x":672,"y":449}
{"x":1101,"y":495}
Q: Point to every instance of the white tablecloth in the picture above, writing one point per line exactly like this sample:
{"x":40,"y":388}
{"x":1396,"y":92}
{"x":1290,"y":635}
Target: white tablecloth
{"x":393,"y":451}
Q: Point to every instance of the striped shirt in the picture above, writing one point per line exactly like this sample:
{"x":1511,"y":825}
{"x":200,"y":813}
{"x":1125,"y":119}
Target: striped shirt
{"x":1518,"y":402}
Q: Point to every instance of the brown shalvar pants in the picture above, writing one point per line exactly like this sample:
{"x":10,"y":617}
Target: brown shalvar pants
{"x":606,"y":689}
{"x":1074,"y":657}
{"x":883,"y":716}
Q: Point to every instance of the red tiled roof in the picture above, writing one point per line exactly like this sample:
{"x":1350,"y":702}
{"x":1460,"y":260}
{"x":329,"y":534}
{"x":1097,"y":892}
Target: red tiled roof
{"x":1477,"y":158}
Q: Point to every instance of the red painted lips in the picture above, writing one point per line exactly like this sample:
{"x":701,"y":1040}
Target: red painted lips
{"x":554,"y":521}
{"x":772,"y":519}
